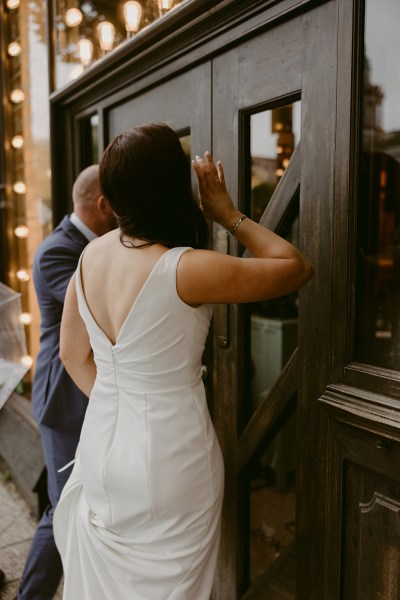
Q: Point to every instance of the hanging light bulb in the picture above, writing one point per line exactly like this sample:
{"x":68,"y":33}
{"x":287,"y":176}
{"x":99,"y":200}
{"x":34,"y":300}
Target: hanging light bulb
{"x":17,"y":142}
{"x":73,"y":17}
{"x":165,"y":5}
{"x":19,"y":187}
{"x":11,"y":4}
{"x":17,"y":96}
{"x":25,"y":318}
{"x":22,"y":275}
{"x":21,"y":231}
{"x":106,"y":32}
{"x":85,"y":51}
{"x":14,"y":49}
{"x":132,"y":15}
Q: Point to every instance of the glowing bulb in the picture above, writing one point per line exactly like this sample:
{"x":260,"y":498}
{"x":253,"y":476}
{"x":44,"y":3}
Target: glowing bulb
{"x":11,"y":4}
{"x":285,"y":162}
{"x":21,"y":231}
{"x":279,"y":149}
{"x":85,"y":50}
{"x":17,"y":142}
{"x":165,"y":5}
{"x":106,"y":31}
{"x":73,"y":17}
{"x":19,"y":187}
{"x":25,"y":318}
{"x":22,"y":275}
{"x":279,"y":172}
{"x":17,"y":96}
{"x":132,"y":15}
{"x":27,"y":360}
{"x":14,"y":49}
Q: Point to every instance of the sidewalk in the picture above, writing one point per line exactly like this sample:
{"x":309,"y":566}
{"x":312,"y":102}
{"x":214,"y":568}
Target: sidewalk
{"x":17,"y":527}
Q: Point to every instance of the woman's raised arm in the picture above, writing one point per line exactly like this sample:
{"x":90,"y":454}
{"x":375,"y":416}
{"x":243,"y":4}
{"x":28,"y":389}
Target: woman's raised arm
{"x":276,"y":269}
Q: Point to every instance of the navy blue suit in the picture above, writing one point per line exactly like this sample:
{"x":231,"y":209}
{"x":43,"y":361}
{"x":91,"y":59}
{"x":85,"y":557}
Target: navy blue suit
{"x":57,"y":404}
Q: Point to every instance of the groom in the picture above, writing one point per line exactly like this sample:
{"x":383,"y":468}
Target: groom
{"x":57,"y":404}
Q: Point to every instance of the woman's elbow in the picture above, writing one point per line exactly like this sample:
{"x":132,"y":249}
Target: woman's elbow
{"x":306,"y":272}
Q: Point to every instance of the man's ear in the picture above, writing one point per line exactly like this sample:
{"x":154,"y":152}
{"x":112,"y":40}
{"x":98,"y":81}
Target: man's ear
{"x":103,"y":204}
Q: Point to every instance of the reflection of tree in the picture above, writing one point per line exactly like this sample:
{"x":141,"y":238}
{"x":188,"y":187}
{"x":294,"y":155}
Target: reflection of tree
{"x":378,"y":312}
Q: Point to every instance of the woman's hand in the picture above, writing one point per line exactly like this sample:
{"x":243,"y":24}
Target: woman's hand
{"x":216,"y":202}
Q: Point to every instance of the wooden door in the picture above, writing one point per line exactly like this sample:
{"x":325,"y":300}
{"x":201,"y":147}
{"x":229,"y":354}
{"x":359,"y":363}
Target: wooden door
{"x":271,"y":363}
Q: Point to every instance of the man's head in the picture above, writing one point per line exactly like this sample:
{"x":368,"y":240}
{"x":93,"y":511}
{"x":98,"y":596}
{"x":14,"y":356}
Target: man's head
{"x":89,"y":204}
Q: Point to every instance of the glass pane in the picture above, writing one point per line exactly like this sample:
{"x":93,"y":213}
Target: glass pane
{"x":88,"y":30}
{"x":273,"y":500}
{"x":378,"y":257}
{"x":273,"y":338}
{"x":273,"y":324}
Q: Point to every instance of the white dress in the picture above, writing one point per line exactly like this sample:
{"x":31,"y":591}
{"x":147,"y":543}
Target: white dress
{"x":139,"y":517}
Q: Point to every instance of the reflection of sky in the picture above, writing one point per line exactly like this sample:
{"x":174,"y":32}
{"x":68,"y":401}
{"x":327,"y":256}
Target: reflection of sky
{"x":262,"y":141}
{"x":383,"y":52}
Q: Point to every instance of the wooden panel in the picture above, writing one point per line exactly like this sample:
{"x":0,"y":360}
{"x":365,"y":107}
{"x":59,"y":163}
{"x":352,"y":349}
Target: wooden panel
{"x":319,"y":72}
{"x":371,"y":534}
{"x":186,"y":102}
{"x":363,"y":460}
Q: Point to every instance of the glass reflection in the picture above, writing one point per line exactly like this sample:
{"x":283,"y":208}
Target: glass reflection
{"x":87,"y":30}
{"x":378,"y":260}
{"x":272,"y":502}
{"x":273,"y":137}
{"x":273,"y":338}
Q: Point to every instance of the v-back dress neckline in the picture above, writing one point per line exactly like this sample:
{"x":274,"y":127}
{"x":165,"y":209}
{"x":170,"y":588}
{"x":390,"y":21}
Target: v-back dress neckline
{"x":133,"y":306}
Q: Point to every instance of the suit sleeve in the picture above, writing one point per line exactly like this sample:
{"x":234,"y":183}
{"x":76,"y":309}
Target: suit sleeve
{"x":57,"y":265}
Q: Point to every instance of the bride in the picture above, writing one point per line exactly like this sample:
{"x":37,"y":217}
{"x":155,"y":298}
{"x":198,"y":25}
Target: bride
{"x":139,"y":517}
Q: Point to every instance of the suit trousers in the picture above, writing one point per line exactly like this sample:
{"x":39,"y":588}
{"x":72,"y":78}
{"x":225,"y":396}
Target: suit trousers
{"x":43,"y":568}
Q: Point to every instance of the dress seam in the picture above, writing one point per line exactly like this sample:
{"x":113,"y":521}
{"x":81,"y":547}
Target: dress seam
{"x":148,"y":457}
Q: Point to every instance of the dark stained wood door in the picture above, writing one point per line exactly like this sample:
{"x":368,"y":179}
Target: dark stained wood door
{"x":274,"y":98}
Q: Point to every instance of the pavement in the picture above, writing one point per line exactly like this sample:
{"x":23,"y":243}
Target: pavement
{"x":17,"y":526}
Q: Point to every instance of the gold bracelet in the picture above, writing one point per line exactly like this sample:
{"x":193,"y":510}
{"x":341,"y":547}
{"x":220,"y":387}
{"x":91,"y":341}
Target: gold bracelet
{"x":236,"y":224}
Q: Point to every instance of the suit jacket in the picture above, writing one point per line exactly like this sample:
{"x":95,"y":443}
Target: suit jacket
{"x":56,"y":400}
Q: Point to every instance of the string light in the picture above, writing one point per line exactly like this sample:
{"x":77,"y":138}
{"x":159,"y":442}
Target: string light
{"x":14,"y":49}
{"x":106,"y":32}
{"x":165,"y":5}
{"x":12,"y":4}
{"x":17,"y":142}
{"x":132,"y":15}
{"x":17,"y":96}
{"x":85,"y":51}
{"x":21,"y":231}
{"x":22,"y":275}
{"x":25,"y":318}
{"x":73,"y":17}
{"x":19,"y":187}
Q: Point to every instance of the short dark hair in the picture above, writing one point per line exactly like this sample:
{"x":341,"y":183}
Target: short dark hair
{"x":145,"y":176}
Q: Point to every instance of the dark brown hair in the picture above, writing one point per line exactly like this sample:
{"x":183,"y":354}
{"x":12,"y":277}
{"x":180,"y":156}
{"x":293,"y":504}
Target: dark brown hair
{"x":145,"y":176}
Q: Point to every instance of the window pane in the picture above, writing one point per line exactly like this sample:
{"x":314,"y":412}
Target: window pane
{"x":270,"y":487}
{"x":378,"y":309}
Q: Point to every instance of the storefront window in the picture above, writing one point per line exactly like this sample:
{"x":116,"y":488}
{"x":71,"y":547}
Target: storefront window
{"x":378,"y":258}
{"x":86,"y":31}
